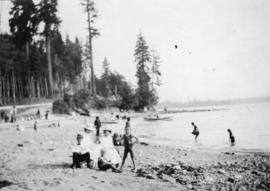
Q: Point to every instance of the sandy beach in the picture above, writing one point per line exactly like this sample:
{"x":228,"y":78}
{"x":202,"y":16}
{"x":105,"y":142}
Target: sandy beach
{"x":41,"y":160}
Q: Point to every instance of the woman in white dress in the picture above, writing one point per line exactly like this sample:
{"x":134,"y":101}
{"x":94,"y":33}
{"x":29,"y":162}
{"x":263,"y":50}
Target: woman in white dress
{"x":89,"y":141}
{"x":107,"y":145}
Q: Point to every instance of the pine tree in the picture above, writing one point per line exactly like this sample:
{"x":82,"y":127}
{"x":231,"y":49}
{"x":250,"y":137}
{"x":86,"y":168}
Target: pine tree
{"x":23,"y":23}
{"x":48,"y":15}
{"x":155,"y":75}
{"x":91,"y":15}
{"x":106,"y":78}
{"x":143,"y":60}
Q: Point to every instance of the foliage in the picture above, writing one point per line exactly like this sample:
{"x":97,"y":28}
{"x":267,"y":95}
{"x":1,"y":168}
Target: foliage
{"x":47,"y":14}
{"x":24,"y":21}
{"x":106,"y":78}
{"x":60,"y":107}
{"x":36,"y":65}
{"x":144,"y":95}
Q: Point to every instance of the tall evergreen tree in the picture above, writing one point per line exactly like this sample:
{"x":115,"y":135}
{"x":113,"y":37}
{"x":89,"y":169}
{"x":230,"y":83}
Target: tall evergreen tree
{"x":23,"y":26}
{"x":23,"y":23}
{"x":143,"y":60}
{"x":155,"y":75}
{"x":91,"y":16}
{"x":106,"y":77}
{"x":48,"y":16}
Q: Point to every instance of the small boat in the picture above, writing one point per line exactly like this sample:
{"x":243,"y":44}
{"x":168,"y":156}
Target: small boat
{"x":109,"y":122}
{"x":157,"y":118}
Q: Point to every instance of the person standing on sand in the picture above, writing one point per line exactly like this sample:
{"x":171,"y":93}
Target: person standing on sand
{"x":97,"y":124}
{"x":127,"y":123}
{"x":232,"y":139}
{"x":195,"y":131}
{"x":128,"y":145}
{"x":46,"y":115}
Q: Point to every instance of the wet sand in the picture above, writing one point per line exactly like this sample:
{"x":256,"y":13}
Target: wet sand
{"x":41,"y":160}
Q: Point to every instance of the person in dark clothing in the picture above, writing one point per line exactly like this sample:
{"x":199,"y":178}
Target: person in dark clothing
{"x":46,"y":114}
{"x":38,"y":114}
{"x":35,"y":126}
{"x":232,"y":138}
{"x":80,"y":154}
{"x":6,"y":118}
{"x":195,"y":131}
{"x":116,"y":139}
{"x":128,"y":145}
{"x":127,"y":123}
{"x":97,"y":124}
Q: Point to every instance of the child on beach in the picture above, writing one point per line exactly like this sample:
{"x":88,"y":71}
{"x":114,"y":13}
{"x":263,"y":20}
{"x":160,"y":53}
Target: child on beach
{"x":232,"y":139}
{"x":80,"y":153}
{"x":104,"y":164}
{"x":195,"y":131}
{"x":128,"y":139}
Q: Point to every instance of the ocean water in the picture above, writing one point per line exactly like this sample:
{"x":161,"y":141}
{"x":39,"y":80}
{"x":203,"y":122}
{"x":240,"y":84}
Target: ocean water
{"x":250,"y":124}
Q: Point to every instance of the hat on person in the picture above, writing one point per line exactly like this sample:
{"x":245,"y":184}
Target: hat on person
{"x":88,"y":127}
{"x":107,"y":129}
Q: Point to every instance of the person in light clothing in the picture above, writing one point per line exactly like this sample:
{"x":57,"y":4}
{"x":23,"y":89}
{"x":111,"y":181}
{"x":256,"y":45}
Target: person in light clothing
{"x":80,"y":153}
{"x":105,"y":164}
{"x":109,"y":150}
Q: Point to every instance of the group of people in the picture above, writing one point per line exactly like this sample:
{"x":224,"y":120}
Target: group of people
{"x":196,"y":133}
{"x":97,"y":149}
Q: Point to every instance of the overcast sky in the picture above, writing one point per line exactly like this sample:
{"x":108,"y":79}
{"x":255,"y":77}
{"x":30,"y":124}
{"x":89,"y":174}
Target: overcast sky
{"x":223,"y":45}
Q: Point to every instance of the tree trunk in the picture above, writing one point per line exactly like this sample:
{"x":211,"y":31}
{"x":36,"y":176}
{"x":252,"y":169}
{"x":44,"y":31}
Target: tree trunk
{"x":1,"y":95}
{"x":13,"y":89}
{"x":8,"y":89}
{"x":38,"y":89}
{"x":49,"y":61}
{"x":93,"y":84}
{"x":46,"y":88}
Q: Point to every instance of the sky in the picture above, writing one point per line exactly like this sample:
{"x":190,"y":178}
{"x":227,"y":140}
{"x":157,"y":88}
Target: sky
{"x":223,"y":45}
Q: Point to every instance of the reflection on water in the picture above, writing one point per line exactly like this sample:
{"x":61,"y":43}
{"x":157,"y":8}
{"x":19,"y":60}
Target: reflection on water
{"x":250,"y":125}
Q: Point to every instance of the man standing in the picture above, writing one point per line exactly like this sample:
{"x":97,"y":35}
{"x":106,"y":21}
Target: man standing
{"x":97,"y":125}
{"x":127,"y":123}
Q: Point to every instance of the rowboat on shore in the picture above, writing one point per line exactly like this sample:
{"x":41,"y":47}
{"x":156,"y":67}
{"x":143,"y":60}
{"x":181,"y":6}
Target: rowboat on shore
{"x":157,"y":118}
{"x":109,"y":122}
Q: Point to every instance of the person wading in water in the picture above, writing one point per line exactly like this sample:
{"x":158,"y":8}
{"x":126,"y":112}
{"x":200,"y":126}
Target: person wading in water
{"x":195,"y":131}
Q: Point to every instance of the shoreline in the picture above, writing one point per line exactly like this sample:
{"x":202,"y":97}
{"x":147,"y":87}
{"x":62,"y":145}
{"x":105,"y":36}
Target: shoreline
{"x":41,"y":160}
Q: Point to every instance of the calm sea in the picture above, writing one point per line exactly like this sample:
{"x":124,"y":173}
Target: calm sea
{"x":249,"y":123}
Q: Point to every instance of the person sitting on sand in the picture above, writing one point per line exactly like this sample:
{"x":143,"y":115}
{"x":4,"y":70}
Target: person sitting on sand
{"x":105,"y":164}
{"x":116,"y":139}
{"x":128,"y":139}
{"x":232,"y":139}
{"x":80,"y":153}
{"x":195,"y":131}
{"x":107,"y":145}
{"x":89,"y":141}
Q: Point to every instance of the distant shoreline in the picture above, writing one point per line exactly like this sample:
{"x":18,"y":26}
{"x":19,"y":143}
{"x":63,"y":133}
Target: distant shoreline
{"x":172,"y":104}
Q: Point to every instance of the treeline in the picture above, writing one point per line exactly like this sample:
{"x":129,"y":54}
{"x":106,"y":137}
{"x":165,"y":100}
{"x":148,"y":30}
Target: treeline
{"x":28,"y":77}
{"x":37,"y":62}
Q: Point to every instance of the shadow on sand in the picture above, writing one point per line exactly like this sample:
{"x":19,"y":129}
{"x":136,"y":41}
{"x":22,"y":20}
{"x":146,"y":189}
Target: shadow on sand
{"x":5,"y":183}
{"x":50,"y":166}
